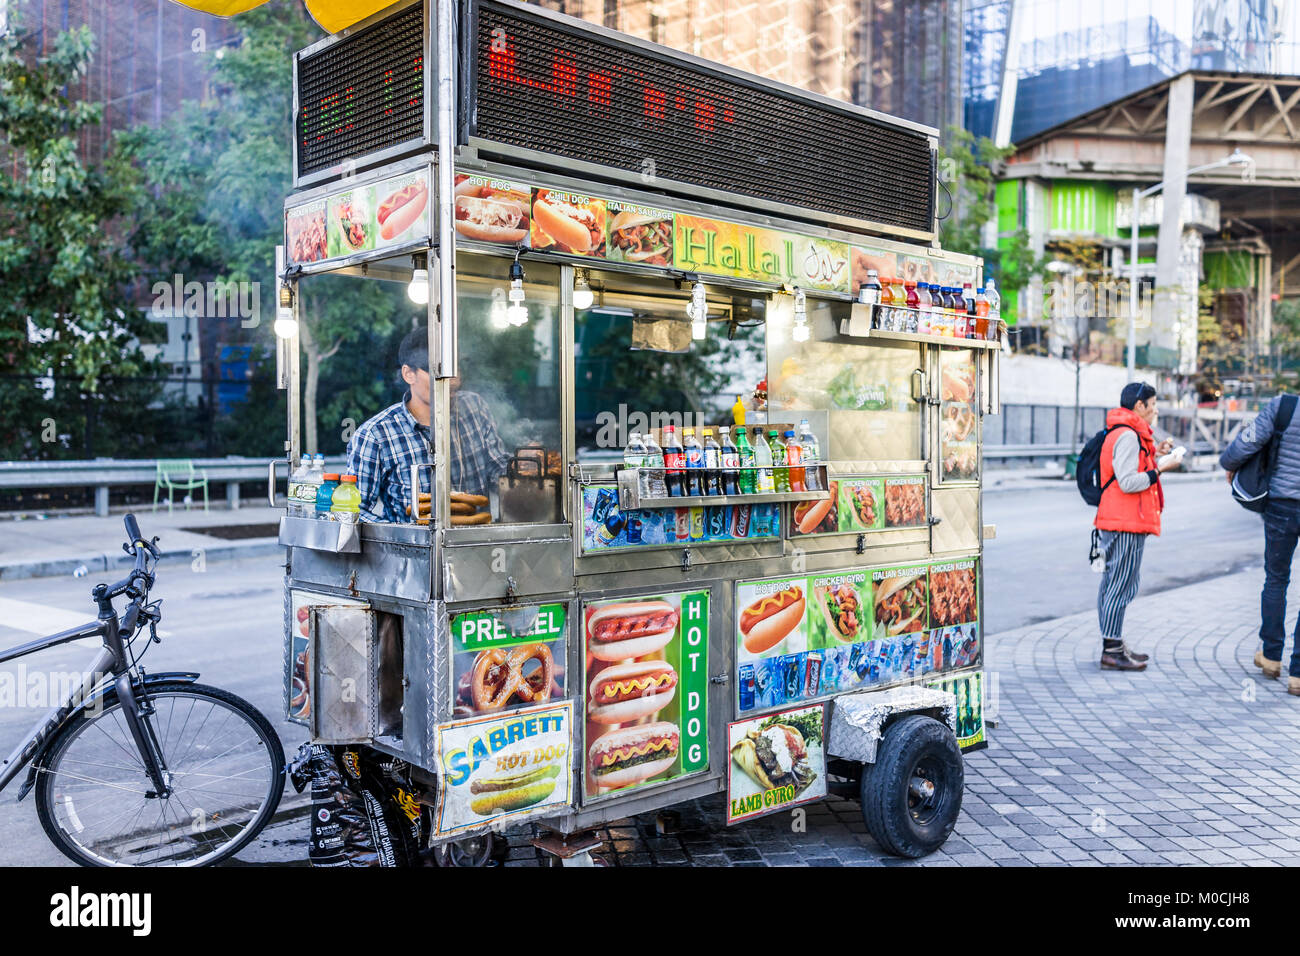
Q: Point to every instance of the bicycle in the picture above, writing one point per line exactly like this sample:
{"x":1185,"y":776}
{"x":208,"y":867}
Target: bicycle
{"x":138,"y":769}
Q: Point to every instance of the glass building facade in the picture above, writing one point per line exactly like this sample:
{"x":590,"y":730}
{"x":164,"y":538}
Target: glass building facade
{"x":1067,"y":57}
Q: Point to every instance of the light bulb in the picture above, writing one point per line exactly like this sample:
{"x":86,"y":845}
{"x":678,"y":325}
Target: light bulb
{"x":517,"y":313}
{"x":582,"y":294}
{"x":800,"y":332}
{"x":698,"y":329}
{"x":418,"y":290}
{"x":286,"y":326}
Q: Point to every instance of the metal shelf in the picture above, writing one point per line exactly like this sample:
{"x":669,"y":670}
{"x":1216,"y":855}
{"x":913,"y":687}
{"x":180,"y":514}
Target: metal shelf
{"x":629,"y":497}
{"x":932,"y":339}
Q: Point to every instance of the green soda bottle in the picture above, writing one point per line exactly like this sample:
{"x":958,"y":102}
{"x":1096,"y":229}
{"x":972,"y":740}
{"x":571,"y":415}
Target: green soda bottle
{"x":747,"y":478}
{"x":780,"y":471}
{"x":345,"y":503}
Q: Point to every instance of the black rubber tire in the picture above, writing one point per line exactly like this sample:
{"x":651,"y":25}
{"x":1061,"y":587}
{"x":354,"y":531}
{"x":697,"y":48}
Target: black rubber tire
{"x":911,"y":743}
{"x":50,"y":757}
{"x":477,"y":851}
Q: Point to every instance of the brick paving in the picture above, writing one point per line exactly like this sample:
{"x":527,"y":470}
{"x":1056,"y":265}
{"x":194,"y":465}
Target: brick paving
{"x":1195,"y":761}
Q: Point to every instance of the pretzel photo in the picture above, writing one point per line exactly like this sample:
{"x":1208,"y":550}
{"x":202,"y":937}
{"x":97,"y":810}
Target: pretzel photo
{"x":498,"y":676}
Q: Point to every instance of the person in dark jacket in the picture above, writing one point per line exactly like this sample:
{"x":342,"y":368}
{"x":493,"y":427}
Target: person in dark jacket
{"x":1281,"y":531}
{"x":1128,"y":513}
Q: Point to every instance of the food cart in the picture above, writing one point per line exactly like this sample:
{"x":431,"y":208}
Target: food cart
{"x":614,"y":237}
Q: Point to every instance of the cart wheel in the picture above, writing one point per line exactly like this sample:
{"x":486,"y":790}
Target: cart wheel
{"x":473,"y":851}
{"x":912,"y":794}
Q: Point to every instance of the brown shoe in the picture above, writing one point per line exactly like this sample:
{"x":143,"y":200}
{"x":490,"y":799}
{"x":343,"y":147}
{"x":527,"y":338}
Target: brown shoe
{"x":1293,"y":685}
{"x":1140,"y":658}
{"x":1270,"y":668}
{"x":1120,"y":660}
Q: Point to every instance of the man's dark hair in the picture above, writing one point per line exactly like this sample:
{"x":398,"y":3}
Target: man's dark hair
{"x":414,"y":350}
{"x":1135,"y":392}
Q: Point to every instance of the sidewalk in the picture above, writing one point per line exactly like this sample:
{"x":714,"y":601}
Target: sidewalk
{"x":1194,"y":761}
{"x":36,"y":547}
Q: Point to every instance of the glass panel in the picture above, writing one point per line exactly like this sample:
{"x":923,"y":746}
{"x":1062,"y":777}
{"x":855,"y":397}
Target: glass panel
{"x":856,"y":396}
{"x":505,"y":405}
{"x":637,"y":367}
{"x":958,"y":419}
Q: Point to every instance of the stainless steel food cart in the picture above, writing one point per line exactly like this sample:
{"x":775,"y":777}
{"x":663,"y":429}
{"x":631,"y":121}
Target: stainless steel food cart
{"x":730,"y":225}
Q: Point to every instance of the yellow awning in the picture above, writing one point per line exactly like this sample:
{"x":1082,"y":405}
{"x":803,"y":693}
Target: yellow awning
{"x":332,"y":15}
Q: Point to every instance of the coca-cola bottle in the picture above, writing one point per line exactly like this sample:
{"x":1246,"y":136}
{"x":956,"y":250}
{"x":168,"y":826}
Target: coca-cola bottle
{"x":674,"y":463}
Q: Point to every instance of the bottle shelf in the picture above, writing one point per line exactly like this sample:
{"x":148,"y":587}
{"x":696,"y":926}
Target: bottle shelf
{"x":630,"y":498}
{"x":867,"y":327}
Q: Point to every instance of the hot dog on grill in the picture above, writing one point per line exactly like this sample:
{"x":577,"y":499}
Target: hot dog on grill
{"x":767,"y":621}
{"x":624,"y":692}
{"x":617,"y":632}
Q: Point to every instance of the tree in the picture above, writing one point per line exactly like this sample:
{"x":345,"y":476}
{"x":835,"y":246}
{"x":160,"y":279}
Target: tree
{"x":68,"y":331}
{"x":221,"y":170}
{"x":968,"y":169}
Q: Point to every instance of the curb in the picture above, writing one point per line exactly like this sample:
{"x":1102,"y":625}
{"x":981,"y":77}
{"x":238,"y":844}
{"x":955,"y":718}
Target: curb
{"x":105,"y":563}
{"x":1058,"y":482}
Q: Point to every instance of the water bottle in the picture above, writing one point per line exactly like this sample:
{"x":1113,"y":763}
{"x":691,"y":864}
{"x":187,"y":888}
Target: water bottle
{"x":811,"y":456}
{"x":293,"y":501}
{"x":763,"y":460}
{"x":653,"y":485}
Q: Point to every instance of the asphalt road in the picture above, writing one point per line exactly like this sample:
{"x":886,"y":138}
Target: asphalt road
{"x":224,"y":621}
{"x":1037,"y":567}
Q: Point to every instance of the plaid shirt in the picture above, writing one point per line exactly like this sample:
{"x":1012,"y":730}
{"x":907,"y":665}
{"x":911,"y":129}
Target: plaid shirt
{"x":385,"y":447}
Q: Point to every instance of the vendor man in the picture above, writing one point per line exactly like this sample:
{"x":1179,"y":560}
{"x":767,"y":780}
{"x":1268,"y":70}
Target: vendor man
{"x":385,"y":447}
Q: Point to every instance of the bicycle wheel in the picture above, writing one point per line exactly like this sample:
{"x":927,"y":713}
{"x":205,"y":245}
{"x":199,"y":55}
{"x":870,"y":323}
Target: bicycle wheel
{"x":226,"y":767}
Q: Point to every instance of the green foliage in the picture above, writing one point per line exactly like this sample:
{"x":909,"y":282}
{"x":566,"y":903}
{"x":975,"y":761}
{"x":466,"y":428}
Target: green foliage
{"x":65,"y":312}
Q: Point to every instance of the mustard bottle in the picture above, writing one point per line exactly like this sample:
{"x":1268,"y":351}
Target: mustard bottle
{"x":738,"y":411}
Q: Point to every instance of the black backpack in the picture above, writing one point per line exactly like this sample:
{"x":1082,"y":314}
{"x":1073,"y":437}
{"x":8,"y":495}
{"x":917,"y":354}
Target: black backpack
{"x":1250,"y":483}
{"x":1087,"y":473}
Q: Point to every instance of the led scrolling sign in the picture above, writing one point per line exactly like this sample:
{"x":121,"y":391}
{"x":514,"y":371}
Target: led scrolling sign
{"x":548,"y":87}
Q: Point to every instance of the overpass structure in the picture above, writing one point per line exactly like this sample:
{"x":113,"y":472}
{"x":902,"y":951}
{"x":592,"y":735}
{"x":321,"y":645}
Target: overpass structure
{"x":1238,"y":236}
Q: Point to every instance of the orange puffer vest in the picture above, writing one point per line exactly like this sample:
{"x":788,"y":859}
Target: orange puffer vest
{"x":1118,"y":510}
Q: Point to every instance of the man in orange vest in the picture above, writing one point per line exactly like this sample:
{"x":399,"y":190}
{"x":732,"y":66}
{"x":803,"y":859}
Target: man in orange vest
{"x":1131,"y":502}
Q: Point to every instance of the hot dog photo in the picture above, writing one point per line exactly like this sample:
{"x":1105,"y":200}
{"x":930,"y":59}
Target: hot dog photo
{"x":770,"y":617}
{"x":816,"y":517}
{"x":491,"y":210}
{"x":646,"y":680}
{"x":400,"y":205}
{"x":568,"y":222}
{"x":501,"y":765}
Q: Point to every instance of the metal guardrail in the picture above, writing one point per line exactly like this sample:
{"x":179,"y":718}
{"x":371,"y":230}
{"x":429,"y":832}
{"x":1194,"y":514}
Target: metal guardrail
{"x":1026,"y":451}
{"x":106,"y":473}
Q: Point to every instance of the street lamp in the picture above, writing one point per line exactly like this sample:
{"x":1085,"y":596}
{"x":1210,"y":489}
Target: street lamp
{"x":1237,"y":158}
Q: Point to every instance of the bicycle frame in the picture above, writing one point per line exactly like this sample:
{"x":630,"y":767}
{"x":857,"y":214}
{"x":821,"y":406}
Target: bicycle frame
{"x":111,"y":661}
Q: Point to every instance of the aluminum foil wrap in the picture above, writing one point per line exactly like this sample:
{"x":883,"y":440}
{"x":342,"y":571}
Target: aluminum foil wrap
{"x":856,"y":719}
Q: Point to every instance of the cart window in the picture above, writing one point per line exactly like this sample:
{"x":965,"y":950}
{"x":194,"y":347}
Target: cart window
{"x":506,"y":403}
{"x":857,"y":397}
{"x":636,"y":366}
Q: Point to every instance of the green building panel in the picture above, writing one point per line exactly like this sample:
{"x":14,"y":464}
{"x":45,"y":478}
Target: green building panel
{"x":1083,"y":208}
{"x":1229,"y":269}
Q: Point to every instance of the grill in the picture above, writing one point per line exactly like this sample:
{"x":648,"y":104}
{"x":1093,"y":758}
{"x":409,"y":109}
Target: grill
{"x":585,"y":98}
{"x":362,"y":94}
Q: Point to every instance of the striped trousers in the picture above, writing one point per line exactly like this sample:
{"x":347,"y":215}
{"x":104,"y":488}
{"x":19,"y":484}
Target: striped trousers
{"x":1119,"y":583}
